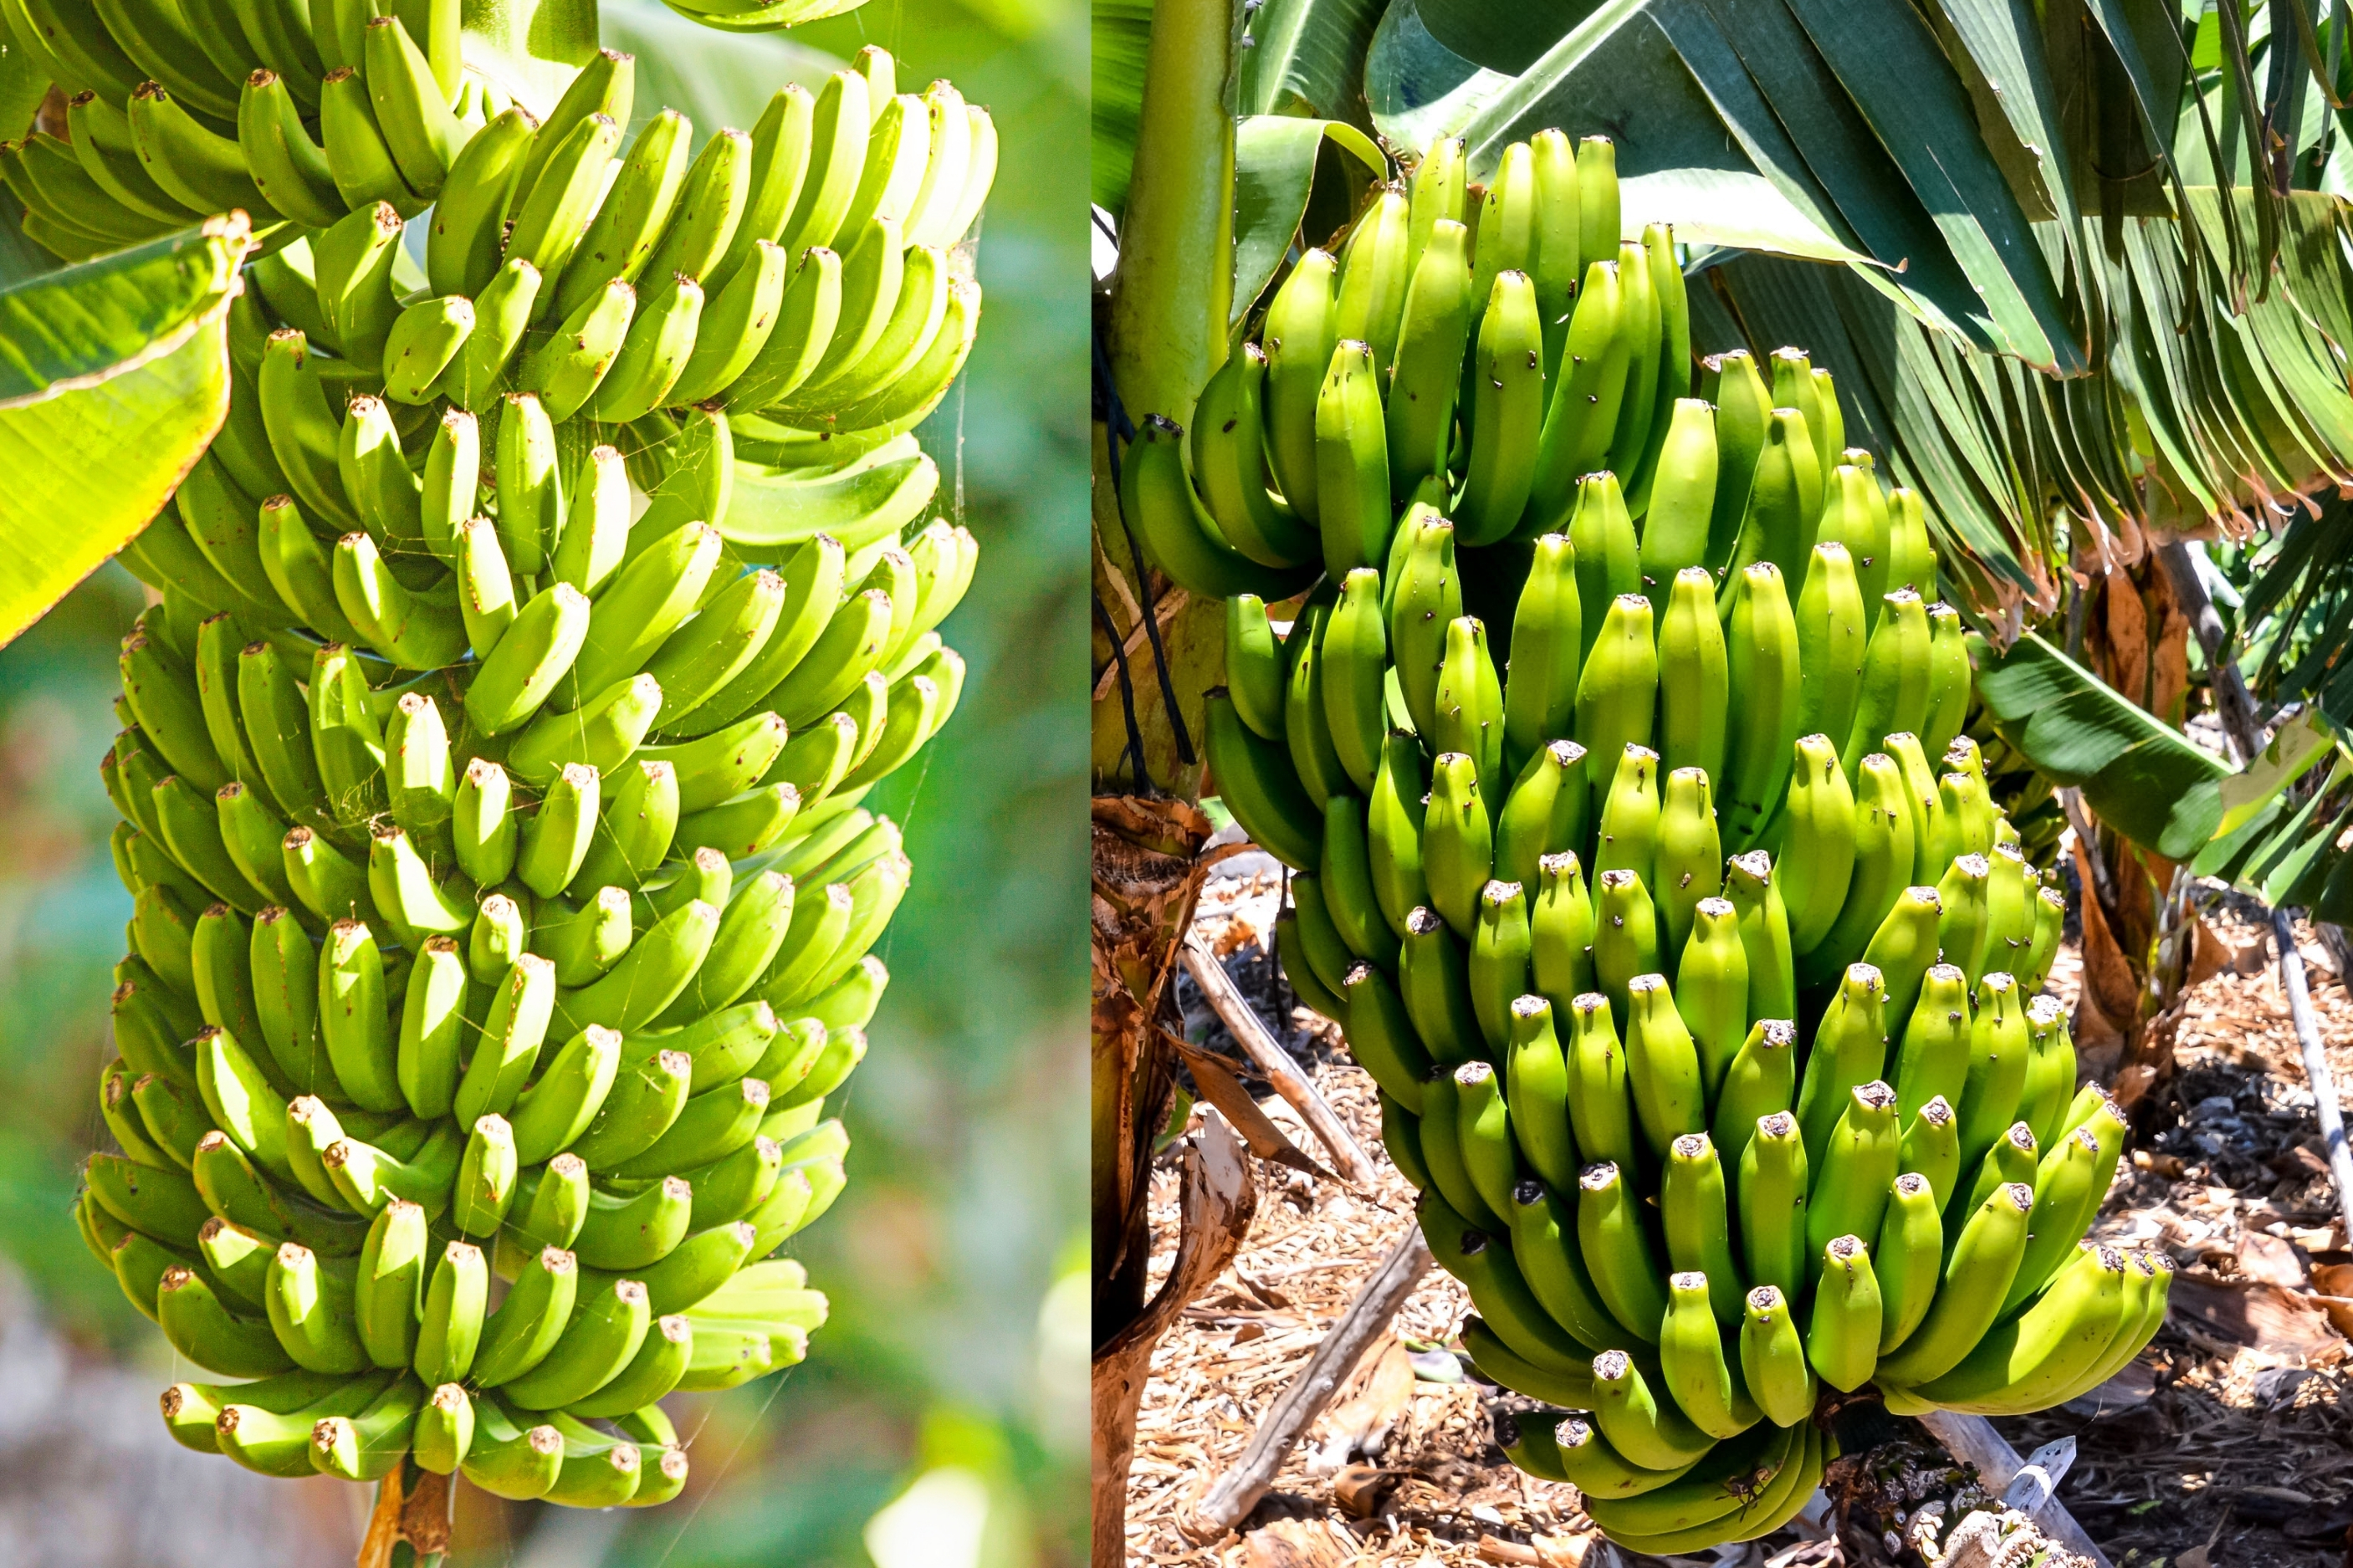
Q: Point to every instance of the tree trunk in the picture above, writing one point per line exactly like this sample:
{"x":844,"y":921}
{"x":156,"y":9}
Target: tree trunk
{"x":2135,"y":951}
{"x":1148,"y":868}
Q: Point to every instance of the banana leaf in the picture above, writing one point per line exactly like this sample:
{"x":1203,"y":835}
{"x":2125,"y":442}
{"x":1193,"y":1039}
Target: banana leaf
{"x":113,"y":377}
{"x":2144,"y":778}
{"x":714,"y":78}
{"x":1304,"y":58}
{"x":1275,"y":159}
{"x":1121,"y":37}
{"x":531,"y":48}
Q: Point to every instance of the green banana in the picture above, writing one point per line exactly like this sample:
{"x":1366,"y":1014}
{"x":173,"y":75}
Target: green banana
{"x":526,"y":1326}
{"x":1560,"y":927}
{"x":1816,"y":867}
{"x":2050,"y":1071}
{"x":1500,"y":1292}
{"x":1713,"y":982}
{"x":1583,"y":412}
{"x":1683,"y":464}
{"x":1381,"y":1036}
{"x":464,"y":239}
{"x":1352,"y":477}
{"x":1760,"y":1081}
{"x":1490,"y":1157}
{"x":1763,"y":663}
{"x":1609,"y":560}
{"x":1612,"y":1237}
{"x":289,"y":168}
{"x":2025,"y":1362}
{"x":1647,"y":1430}
{"x":412,"y":107}
{"x":1629,"y":835}
{"x":2063,"y":1196}
{"x":1984,"y":1261}
{"x":1547,"y":647}
{"x":1688,"y":869}
{"x":1442,"y":1152}
{"x":1257,"y":782}
{"x":1695,"y":1214}
{"x":1850,"y":1050}
{"x":1770,"y":1190}
{"x":1352,"y":663}
{"x":1893,"y":696}
{"x":1544,"y":813}
{"x":1434,"y":330}
{"x":1468,"y":717}
{"x":1948,"y":679}
{"x":1851,"y":1176}
{"x":1999,"y":1050}
{"x":1625,"y":937}
{"x":1617,"y":689}
{"x":1545,"y":1247}
{"x":1507,"y":406}
{"x":1694,"y":694}
{"x":1842,"y":1329}
{"x":474,"y":379}
{"x":1662,"y":1065}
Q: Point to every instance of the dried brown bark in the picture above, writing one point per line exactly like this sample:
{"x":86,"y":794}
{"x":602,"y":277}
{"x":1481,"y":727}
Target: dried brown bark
{"x":2136,"y":938}
{"x":1148,"y":865}
{"x":1219,"y":1198}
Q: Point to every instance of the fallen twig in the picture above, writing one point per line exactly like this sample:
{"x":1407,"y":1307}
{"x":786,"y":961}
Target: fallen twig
{"x":1229,"y":1499}
{"x":1233,"y":1009}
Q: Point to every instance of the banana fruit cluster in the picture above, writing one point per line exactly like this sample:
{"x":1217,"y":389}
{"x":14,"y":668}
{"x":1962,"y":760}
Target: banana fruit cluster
{"x":609,"y":282}
{"x":503,"y":901}
{"x":180,"y":109}
{"x":1704,"y":1007}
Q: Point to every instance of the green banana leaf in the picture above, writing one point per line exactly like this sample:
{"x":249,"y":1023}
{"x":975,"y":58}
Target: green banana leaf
{"x":2295,"y":747}
{"x":1814,"y":130}
{"x":1121,"y":37}
{"x":1416,"y":86}
{"x":531,"y":48}
{"x":113,"y":377}
{"x":715,"y":79}
{"x":1305,"y":58}
{"x":2142,"y":777}
{"x":1274,"y":173}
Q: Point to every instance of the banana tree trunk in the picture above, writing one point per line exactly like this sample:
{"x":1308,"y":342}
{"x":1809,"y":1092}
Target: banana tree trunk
{"x":1161,"y":333}
{"x":2136,"y":636}
{"x":1148,"y":868}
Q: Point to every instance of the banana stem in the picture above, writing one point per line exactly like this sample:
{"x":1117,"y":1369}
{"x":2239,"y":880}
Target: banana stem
{"x":1946,"y":1488}
{"x":409,"y":1526}
{"x":1174,"y":281}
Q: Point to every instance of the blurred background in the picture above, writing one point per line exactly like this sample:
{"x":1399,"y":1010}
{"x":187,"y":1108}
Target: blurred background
{"x":939,"y":1419}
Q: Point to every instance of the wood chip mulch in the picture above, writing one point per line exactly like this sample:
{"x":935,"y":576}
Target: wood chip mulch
{"x":2233,"y":1433}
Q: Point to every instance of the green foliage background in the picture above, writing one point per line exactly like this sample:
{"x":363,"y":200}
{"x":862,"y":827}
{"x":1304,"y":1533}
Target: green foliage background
{"x":946,"y":1344}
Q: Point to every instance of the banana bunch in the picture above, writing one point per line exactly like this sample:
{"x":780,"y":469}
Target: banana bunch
{"x":1704,"y":1007}
{"x":610,"y":283}
{"x":180,"y":109}
{"x":503,"y":901}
